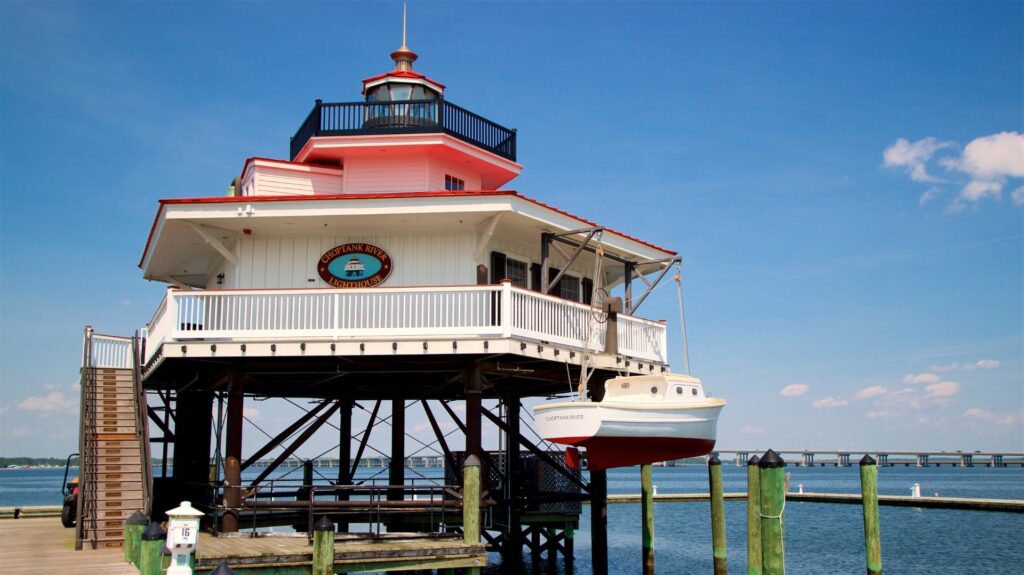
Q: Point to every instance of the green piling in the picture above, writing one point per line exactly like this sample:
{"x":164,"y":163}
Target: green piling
{"x":647,"y":512}
{"x":471,"y":504}
{"x":772,"y":479}
{"x":869,"y":497}
{"x":323,"y":547}
{"x":151,"y":549}
{"x":717,"y":514}
{"x":133,"y":529}
{"x":753,"y":517}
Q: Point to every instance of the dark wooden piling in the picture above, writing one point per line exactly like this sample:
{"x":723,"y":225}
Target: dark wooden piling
{"x":869,"y":497}
{"x":151,"y":549}
{"x":323,"y":547}
{"x":772,"y":471}
{"x":753,"y":517}
{"x":396,"y":468}
{"x":647,"y":514}
{"x":717,"y":514}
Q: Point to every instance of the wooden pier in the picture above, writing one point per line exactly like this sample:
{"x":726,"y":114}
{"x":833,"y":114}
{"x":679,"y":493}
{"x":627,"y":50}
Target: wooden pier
{"x":33,"y":545}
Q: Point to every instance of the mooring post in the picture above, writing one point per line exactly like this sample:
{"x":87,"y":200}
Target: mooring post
{"x":133,"y":529}
{"x":232,"y":494}
{"x":772,"y":471}
{"x":753,"y":517}
{"x":599,"y":521}
{"x":869,"y":497}
{"x":717,"y":514}
{"x":323,"y":547}
{"x":647,"y":512}
{"x":471,"y":503}
{"x":223,"y":569}
{"x":151,"y":549}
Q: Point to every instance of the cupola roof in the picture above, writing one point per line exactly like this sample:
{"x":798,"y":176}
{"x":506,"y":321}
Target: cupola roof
{"x":403,"y":72}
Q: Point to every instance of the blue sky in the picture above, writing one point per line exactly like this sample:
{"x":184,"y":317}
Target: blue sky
{"x":843,"y":180}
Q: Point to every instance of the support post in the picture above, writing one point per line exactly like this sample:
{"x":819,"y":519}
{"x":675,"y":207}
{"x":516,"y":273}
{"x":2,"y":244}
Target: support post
{"x":396,"y":469}
{"x":598,"y":501}
{"x":133,"y":529}
{"x":471,"y":503}
{"x":772,"y":471}
{"x":613,"y":307}
{"x":233,"y":451}
{"x":151,"y":549}
{"x":647,"y":514}
{"x":323,"y":547}
{"x":512,"y":550}
{"x":869,"y":498}
{"x":344,"y":453}
{"x":473,"y":409}
{"x":753,"y":517}
{"x":717,"y":514}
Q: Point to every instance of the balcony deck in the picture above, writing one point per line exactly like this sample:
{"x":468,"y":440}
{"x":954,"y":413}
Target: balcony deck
{"x":412,"y":117}
{"x":385,"y":322}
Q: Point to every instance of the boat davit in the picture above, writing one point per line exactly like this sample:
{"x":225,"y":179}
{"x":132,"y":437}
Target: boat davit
{"x":641,"y":419}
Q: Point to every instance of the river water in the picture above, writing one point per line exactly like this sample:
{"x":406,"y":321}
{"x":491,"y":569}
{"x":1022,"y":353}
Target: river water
{"x":820,"y":538}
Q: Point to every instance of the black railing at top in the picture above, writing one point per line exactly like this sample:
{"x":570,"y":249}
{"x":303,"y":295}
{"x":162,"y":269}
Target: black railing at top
{"x":416,"y":116}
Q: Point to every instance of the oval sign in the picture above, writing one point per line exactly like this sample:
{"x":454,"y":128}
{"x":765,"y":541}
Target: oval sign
{"x":354,"y":266}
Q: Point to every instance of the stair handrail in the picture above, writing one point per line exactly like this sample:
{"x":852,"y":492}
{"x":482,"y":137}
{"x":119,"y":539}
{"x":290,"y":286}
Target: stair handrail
{"x":142,"y":425}
{"x":86,"y":459}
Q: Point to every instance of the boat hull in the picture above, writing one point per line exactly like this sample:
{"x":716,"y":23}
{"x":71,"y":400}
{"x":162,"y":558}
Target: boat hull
{"x":623,"y":435}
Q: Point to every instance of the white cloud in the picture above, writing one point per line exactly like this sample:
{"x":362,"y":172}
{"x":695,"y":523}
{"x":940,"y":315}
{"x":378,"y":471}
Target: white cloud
{"x":944,"y":368}
{"x":911,"y":378}
{"x":753,"y":430}
{"x":928,"y":196}
{"x":942,"y":389}
{"x":829,"y":402}
{"x":794,"y":390}
{"x":251,"y":413}
{"x":868,"y":392}
{"x":53,"y":402}
{"x":982,"y":364}
{"x":1018,"y":196}
{"x":913,"y":156}
{"x":989,"y":161}
{"x":981,"y":414}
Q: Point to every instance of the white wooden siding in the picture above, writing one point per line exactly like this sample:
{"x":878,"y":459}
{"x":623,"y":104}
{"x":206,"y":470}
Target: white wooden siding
{"x":423,"y":259}
{"x":385,"y":174}
{"x":263,"y":178}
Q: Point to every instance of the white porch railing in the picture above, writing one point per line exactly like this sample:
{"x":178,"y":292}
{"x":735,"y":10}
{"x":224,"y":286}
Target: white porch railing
{"x":454,"y":311}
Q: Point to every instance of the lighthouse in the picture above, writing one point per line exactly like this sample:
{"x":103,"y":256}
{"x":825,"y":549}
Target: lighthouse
{"x":385,"y":267}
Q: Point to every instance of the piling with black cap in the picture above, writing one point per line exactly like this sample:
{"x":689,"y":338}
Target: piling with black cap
{"x":647,"y":514}
{"x":753,"y":517}
{"x":151,"y":549}
{"x":869,"y":498}
{"x":323,"y":547}
{"x":717,"y":514}
{"x":223,"y":569}
{"x":133,"y":528}
{"x":772,"y":479}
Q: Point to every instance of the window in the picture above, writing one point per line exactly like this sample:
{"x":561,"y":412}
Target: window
{"x":515,"y":270}
{"x":453,"y":183}
{"x":679,"y":390}
{"x":569,"y":288}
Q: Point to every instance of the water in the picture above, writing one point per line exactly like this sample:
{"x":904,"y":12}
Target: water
{"x":820,"y":538}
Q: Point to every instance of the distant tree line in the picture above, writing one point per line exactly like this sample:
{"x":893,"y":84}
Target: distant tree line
{"x":21,"y":461}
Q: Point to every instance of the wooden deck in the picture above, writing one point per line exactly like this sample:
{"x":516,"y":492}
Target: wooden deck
{"x":294,"y":554}
{"x":34,"y":545}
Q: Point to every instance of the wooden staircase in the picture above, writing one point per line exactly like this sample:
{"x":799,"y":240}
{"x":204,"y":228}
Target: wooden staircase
{"x":115,"y":477}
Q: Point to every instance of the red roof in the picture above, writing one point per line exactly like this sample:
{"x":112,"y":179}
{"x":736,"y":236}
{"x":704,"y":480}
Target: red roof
{"x":401,"y":74}
{"x":375,"y":196}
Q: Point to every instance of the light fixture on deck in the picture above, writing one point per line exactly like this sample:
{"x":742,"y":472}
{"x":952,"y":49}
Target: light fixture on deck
{"x":220,"y":279}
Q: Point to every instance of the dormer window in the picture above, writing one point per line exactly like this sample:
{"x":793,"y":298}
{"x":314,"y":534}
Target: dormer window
{"x":452,"y":183}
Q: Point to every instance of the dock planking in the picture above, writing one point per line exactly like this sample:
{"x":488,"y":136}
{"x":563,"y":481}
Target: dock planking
{"x":33,"y":545}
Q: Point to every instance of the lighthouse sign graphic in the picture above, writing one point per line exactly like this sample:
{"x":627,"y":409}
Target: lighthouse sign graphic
{"x":355,"y":265}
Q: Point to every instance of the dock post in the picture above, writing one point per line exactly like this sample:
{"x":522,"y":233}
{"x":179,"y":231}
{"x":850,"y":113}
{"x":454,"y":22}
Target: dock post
{"x":647,"y":513}
{"x":396,"y":467}
{"x":771,"y":469}
{"x":223,"y":569}
{"x":133,"y":529}
{"x":869,"y":497}
{"x":717,"y":514}
{"x":753,"y":517}
{"x":323,"y":547}
{"x":599,"y":521}
{"x":151,"y":549}
{"x":471,"y":503}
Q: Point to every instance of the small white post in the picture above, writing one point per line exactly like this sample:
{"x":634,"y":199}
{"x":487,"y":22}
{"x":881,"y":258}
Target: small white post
{"x":800,"y":487}
{"x":182,"y":537}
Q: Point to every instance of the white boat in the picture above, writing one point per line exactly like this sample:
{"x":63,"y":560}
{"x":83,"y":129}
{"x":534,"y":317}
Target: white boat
{"x":642,"y":419}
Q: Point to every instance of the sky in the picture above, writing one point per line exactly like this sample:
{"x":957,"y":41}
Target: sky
{"x":844,"y":181}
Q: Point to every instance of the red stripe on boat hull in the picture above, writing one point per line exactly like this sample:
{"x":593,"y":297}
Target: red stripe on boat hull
{"x":609,"y":452}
